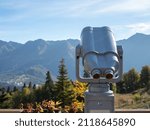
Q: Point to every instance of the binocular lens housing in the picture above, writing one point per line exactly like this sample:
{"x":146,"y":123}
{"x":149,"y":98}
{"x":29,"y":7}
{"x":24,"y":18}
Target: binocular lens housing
{"x":109,"y":74}
{"x":97,"y":73}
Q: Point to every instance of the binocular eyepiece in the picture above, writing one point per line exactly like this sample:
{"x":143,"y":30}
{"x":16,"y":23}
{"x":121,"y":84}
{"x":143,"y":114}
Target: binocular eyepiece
{"x":108,"y":74}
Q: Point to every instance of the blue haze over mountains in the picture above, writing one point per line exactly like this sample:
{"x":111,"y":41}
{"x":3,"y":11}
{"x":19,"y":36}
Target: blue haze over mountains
{"x":27,"y":62}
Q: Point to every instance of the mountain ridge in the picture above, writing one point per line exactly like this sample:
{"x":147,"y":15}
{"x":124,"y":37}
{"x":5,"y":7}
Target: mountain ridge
{"x":29,"y":62}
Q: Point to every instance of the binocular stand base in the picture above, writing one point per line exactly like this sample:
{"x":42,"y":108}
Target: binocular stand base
{"x":99,"y":99}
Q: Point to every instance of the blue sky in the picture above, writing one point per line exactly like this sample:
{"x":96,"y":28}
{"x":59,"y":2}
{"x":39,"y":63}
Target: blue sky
{"x":23,"y":20}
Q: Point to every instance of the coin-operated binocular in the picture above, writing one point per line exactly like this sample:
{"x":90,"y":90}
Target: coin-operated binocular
{"x":100,"y":57}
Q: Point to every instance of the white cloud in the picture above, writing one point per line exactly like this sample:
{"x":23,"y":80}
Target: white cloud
{"x":127,"y":30}
{"x":125,"y":6}
{"x":72,"y":8}
{"x":23,"y":14}
{"x":139,"y":27}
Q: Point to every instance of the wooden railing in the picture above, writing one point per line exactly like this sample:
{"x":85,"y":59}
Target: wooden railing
{"x":132,"y":111}
{"x":11,"y":110}
{"x":116,"y":111}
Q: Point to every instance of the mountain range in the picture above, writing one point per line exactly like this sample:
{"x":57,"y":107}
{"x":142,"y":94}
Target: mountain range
{"x":22,"y":63}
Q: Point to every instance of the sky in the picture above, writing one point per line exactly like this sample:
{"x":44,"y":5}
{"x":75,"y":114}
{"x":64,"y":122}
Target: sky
{"x":24,"y":20}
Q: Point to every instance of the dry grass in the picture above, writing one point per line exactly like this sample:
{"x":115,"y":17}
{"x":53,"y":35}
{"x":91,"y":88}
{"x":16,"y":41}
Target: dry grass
{"x":137,"y":100}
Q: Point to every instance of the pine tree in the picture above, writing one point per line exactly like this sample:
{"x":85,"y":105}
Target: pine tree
{"x":8,"y":89}
{"x":24,"y":86}
{"x":120,"y":87}
{"x":49,"y":87}
{"x":3,"y":90}
{"x":34,"y":87}
{"x":30,"y":85}
{"x":131,"y":80}
{"x":15,"y":89}
{"x":145,"y":77}
{"x":63,"y":89}
{"x":2,"y":95}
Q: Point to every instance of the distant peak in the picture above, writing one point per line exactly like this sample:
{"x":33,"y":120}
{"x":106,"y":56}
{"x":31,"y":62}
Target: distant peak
{"x":37,"y":42}
{"x":9,"y":43}
{"x":12,"y":42}
{"x":139,"y":33}
{"x":139,"y":36}
{"x":40,"y":40}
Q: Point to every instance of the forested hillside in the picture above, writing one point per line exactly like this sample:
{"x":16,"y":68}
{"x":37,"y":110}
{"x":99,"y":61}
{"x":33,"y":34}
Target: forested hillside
{"x":65,"y":95}
{"x":22,"y":63}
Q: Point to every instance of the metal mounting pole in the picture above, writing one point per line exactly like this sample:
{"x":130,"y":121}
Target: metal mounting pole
{"x":99,"y":99}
